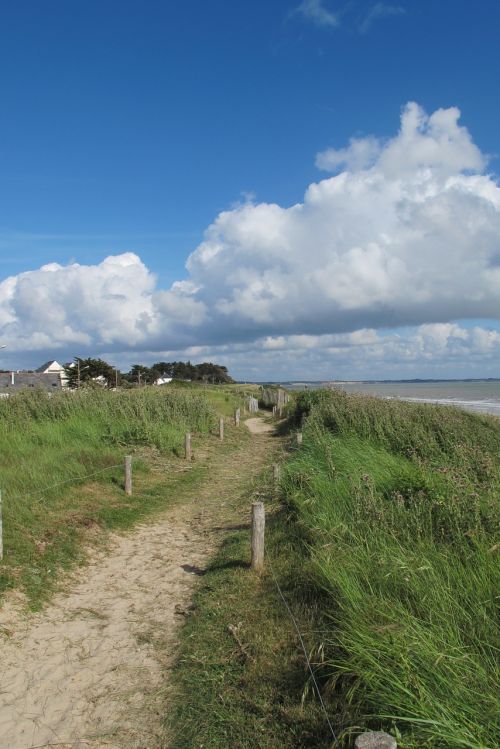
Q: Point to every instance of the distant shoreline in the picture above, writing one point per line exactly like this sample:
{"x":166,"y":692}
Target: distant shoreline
{"x":372,"y":382}
{"x":473,"y":394}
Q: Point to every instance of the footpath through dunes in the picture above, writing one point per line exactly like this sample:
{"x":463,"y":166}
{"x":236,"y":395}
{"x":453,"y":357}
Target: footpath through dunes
{"x":91,"y":669}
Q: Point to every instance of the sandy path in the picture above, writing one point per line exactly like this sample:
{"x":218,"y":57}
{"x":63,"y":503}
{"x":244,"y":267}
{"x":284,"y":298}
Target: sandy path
{"x":91,"y":669}
{"x":258,"y":426}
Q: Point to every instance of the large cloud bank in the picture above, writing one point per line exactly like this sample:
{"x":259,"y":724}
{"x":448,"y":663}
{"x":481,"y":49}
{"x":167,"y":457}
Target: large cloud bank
{"x":405,"y":233}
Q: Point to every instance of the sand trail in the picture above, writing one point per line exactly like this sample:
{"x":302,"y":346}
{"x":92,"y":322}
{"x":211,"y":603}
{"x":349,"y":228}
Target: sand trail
{"x":258,"y":426}
{"x":91,"y":669}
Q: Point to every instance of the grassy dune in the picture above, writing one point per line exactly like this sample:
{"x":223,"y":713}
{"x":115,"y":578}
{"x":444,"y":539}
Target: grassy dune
{"x":56,"y":468}
{"x":399,"y":505}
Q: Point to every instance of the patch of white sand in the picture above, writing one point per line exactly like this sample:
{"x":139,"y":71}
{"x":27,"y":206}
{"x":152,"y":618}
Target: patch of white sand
{"x":85,"y":671}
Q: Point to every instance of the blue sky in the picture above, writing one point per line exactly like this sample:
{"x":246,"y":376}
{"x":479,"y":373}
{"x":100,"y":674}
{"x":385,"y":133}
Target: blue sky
{"x":128,"y":127}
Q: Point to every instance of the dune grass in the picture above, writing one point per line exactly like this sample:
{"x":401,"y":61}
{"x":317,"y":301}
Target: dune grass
{"x":240,"y":677}
{"x":61,"y":461}
{"x":224,"y":398}
{"x":399,"y":505}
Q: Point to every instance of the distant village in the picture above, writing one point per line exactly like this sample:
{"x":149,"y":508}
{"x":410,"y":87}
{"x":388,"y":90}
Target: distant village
{"x":52,"y":375}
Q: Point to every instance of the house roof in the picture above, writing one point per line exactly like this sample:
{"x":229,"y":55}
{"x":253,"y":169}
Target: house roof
{"x":49,"y":381}
{"x":45,"y":366}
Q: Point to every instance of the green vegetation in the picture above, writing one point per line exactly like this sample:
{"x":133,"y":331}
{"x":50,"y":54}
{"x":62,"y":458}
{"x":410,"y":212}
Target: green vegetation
{"x":398,"y":504}
{"x":204,"y":372}
{"x":384,"y":542}
{"x":82,"y":371}
{"x":239,"y":680}
{"x":90,"y":370}
{"x":223,"y":398}
{"x":51,"y":447}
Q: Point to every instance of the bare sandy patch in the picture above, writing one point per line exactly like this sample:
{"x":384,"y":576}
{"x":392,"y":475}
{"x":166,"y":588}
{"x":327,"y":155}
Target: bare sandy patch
{"x":86,"y":670}
{"x":258,"y":426}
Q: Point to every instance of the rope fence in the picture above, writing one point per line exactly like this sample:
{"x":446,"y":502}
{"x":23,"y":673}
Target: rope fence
{"x":127,"y":465}
{"x":72,"y":480}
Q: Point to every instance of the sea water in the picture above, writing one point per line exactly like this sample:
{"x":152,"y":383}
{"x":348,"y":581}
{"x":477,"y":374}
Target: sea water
{"x":482,"y":396}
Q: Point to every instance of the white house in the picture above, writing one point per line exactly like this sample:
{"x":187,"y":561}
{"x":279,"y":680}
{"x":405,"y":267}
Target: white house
{"x":163,"y":380}
{"x":50,"y":367}
{"x":53,"y":367}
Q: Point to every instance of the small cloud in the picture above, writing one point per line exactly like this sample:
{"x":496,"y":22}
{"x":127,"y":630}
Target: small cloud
{"x":361,"y":153}
{"x":379,"y":11}
{"x":316,"y":12}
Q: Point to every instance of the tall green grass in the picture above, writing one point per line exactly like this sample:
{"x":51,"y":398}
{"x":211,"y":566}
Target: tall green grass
{"x":399,"y":503}
{"x":50,"y":444}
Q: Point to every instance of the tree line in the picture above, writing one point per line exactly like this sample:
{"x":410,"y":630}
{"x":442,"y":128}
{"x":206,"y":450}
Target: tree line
{"x":83,"y":371}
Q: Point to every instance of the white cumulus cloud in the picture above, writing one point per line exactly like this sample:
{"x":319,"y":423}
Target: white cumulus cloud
{"x":407,"y":234}
{"x":113,"y":304}
{"x":404,"y":234}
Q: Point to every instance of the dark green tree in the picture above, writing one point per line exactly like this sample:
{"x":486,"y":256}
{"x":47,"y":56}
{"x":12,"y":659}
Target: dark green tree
{"x":163,"y":369}
{"x":84,"y":371}
{"x":141,"y":375}
{"x":183,"y":370}
{"x":178,"y":370}
{"x":214,"y":373}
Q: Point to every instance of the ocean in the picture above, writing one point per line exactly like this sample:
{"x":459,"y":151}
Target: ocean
{"x":482,"y":396}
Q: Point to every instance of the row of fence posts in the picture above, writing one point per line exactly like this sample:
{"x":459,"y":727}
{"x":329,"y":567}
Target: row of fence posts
{"x":368,"y":740}
{"x":128,"y":474}
{"x":188,"y":455}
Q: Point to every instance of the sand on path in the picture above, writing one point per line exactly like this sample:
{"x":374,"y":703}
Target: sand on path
{"x":258,"y":426}
{"x":91,"y":669}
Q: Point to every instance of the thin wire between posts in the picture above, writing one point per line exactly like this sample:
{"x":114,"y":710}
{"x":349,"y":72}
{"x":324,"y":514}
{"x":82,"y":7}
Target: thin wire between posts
{"x":296,"y":626}
{"x":69,"y":481}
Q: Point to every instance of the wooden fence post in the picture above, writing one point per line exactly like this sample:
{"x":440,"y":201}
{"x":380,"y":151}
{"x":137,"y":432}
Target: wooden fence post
{"x":187,"y":446}
{"x":237,"y":417}
{"x":128,"y":474}
{"x":258,"y":527}
{"x":375,"y":740}
{"x":221,"y":428}
{"x":253,"y":405}
{"x":1,"y":527}
{"x":298,"y":437}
